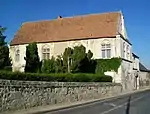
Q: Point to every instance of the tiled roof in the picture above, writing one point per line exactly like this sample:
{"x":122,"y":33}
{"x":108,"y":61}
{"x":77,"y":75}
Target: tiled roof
{"x":143,"y":68}
{"x":72,"y":28}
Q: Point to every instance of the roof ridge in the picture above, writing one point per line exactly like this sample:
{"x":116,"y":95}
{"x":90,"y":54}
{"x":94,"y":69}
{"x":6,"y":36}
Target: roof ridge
{"x":84,"y":15}
{"x":68,"y":17}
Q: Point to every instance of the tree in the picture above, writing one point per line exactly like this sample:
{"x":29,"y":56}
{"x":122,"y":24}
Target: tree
{"x":67,"y":59}
{"x":32,"y":59}
{"x":49,"y":66}
{"x":2,"y":37}
{"x":82,"y":61}
{"x":4,"y":50}
{"x":87,"y":64}
{"x":89,"y":55}
{"x":78,"y":56}
{"x":59,"y":64}
{"x":76,"y":60}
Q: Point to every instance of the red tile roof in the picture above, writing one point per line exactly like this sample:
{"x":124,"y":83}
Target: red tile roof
{"x":73,"y":28}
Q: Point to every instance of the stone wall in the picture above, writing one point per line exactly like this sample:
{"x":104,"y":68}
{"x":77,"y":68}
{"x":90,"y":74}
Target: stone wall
{"x":15,"y":95}
{"x":144,"y":78}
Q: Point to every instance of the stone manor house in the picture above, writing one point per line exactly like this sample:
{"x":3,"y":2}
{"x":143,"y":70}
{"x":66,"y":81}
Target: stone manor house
{"x":104,"y":34}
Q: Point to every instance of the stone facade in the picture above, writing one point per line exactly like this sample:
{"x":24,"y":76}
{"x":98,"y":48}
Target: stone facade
{"x":16,"y":95}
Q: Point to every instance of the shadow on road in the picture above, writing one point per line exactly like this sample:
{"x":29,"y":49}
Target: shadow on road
{"x":128,"y":106}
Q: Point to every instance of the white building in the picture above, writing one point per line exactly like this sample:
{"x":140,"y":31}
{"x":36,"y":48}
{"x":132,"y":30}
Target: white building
{"x":136,"y":70}
{"x":144,"y":75}
{"x":104,"y":34}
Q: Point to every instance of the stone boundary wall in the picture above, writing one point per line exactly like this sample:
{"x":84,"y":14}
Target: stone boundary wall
{"x":16,"y":95}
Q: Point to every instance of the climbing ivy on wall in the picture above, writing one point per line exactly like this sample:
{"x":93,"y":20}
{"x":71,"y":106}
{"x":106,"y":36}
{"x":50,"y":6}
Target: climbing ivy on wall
{"x":103,"y":65}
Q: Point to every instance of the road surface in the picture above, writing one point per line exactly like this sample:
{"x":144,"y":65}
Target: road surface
{"x":136,"y":103}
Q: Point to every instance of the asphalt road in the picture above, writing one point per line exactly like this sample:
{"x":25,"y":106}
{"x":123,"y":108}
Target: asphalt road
{"x":137,"y":103}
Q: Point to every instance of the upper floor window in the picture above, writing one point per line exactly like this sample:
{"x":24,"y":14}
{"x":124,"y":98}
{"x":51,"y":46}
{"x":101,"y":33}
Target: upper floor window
{"x":124,"y":50}
{"x":46,"y":52}
{"x":106,"y":50}
{"x":128,"y":52}
{"x":17,"y":55}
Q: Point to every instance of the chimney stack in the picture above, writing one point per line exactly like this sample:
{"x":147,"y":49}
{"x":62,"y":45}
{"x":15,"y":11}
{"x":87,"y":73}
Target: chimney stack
{"x":59,"y":17}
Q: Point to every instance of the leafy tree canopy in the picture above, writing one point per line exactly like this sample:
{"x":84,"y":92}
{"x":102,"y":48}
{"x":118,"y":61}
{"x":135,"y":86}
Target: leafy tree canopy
{"x":2,"y":37}
{"x":78,"y":56}
{"x":76,"y":60}
{"x":4,"y":50}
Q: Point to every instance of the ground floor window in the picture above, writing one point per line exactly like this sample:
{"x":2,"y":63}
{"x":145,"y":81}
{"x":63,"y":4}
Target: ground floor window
{"x":106,"y":50}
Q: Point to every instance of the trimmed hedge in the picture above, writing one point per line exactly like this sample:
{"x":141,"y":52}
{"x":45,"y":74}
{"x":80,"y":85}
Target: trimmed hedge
{"x":7,"y":68}
{"x":55,"y":77}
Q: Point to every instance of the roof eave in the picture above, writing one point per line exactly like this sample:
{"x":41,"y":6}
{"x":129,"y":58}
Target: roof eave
{"x":124,"y":38}
{"x":135,"y":55}
{"x":145,"y":71}
{"x":13,"y":44}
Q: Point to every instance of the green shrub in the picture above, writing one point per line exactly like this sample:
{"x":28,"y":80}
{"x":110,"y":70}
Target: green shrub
{"x":64,"y":77}
{"x":48,"y":66}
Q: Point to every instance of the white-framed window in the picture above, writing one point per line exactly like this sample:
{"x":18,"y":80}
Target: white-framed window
{"x":17,"y":55}
{"x":131,"y":57}
{"x":106,"y":50}
{"x":128,"y":52}
{"x":45,"y":52}
{"x":124,"y":50}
